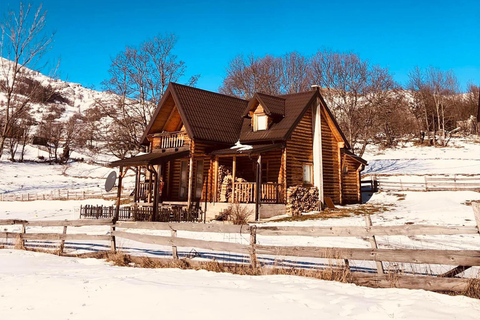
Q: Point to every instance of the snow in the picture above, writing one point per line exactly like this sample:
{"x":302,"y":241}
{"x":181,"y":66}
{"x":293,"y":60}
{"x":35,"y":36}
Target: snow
{"x":461,"y":156}
{"x":42,"y":286}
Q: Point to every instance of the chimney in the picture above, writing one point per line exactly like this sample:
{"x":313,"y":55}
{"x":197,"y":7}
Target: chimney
{"x":315,"y":87}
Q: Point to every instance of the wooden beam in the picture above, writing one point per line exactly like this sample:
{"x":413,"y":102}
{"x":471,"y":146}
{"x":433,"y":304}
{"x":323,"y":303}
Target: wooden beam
{"x":418,"y":256}
{"x":454,"y":271}
{"x":258,"y":187}
{"x":234,"y":172}
{"x":119,"y":194}
{"x":357,"y":231}
{"x":190,"y":182}
{"x":476,"y":212}
{"x":373,"y":243}
{"x":215,"y":182}
{"x":169,"y":117}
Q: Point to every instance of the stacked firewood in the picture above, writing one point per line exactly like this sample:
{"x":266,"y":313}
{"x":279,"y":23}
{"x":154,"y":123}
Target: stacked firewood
{"x":301,"y":199}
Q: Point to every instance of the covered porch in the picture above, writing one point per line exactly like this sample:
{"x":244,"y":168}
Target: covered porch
{"x":178,"y":179}
{"x":250,"y":175}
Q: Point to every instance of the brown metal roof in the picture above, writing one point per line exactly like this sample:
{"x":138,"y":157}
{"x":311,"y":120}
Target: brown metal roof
{"x":295,"y":107}
{"x":355,"y":157}
{"x":273,"y":106}
{"x":208,"y":115}
{"x":215,"y":117}
{"x":151,"y":158}
{"x":256,"y":149}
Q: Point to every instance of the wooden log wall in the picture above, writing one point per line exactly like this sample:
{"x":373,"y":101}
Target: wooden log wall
{"x":299,"y":150}
{"x":350,"y":183}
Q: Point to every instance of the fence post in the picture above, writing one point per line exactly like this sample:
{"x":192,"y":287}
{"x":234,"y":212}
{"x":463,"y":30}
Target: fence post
{"x":476,"y":212}
{"x":113,"y":244}
{"x":24,"y":230}
{"x":253,"y":242}
{"x":62,"y":244}
{"x":373,"y":243}
{"x":174,"y":248}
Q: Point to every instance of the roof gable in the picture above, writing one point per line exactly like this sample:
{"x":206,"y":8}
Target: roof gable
{"x":206,"y":115}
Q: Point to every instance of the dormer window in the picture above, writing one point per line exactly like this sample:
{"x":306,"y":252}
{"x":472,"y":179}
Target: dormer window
{"x":260,"y":122}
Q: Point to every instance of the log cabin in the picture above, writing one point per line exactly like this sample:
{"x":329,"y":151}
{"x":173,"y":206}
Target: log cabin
{"x":209,"y":148}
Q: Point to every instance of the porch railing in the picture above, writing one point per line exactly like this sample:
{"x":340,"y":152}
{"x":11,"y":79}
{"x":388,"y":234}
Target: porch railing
{"x":271,"y":192}
{"x":244,"y":192}
{"x":143,"y":190}
{"x":168,"y":140}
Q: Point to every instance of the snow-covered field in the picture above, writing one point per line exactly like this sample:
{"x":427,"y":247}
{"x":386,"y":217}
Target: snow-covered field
{"x":461,"y":156}
{"x":31,"y":282}
{"x":35,"y":177}
{"x":41,"y":286}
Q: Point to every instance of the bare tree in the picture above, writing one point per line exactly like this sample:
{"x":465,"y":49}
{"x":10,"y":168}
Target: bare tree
{"x":139,"y":77}
{"x":297,"y":73}
{"x":22,"y":44}
{"x":247,"y":75}
{"x":436,"y":93}
{"x":357,"y":92}
{"x":271,"y":75}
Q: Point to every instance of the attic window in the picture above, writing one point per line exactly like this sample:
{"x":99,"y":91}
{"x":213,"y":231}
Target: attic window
{"x":260,"y":122}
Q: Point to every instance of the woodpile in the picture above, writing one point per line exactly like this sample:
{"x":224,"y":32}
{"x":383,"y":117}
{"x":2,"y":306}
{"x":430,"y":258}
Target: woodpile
{"x":302,"y":199}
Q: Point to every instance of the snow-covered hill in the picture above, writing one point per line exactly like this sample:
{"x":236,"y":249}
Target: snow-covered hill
{"x":74,"y":97}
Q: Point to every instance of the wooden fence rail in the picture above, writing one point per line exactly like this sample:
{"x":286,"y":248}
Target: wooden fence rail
{"x":61,"y":194}
{"x":461,"y":259}
{"x":420,"y":183}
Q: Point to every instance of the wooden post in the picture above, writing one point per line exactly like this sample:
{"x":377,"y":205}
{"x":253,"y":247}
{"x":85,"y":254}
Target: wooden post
{"x":373,"y":243}
{"x":62,"y":243}
{"x":258,"y":190}
{"x":215,"y":178}
{"x":113,"y":243}
{"x":476,"y":212}
{"x":155,"y":193}
{"x":174,"y":248}
{"x":119,"y":194}
{"x":190,"y":182}
{"x":24,"y":230}
{"x":234,"y":172}
{"x":253,"y":242}
{"x":137,"y":185}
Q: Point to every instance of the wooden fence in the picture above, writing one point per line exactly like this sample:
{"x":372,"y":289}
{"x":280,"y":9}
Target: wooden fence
{"x":421,"y":183}
{"x":166,"y":213}
{"x":460,"y":259}
{"x":62,"y":194}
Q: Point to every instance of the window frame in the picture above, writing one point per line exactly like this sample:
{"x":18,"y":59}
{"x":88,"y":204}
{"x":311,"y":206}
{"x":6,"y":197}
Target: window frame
{"x":308,"y":181}
{"x":256,"y":121}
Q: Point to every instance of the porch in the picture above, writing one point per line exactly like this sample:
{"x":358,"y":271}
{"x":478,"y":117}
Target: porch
{"x":177,"y":172}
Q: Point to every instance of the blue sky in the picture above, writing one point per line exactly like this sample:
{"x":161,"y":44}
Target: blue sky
{"x":395,"y":34}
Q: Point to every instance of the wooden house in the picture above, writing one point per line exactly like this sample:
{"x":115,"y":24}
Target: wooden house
{"x":200,"y":142}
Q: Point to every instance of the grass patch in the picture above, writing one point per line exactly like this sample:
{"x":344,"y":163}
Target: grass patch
{"x":340,"y":212}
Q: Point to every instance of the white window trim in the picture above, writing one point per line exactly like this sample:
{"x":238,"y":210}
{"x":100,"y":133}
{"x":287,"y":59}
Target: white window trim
{"x":307,"y":179}
{"x":256,"y":122}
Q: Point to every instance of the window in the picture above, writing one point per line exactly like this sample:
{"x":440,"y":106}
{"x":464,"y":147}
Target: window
{"x":307,"y":174}
{"x":260,"y":122}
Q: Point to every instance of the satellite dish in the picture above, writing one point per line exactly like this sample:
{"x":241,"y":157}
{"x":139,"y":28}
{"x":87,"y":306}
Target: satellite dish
{"x":110,"y":182}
